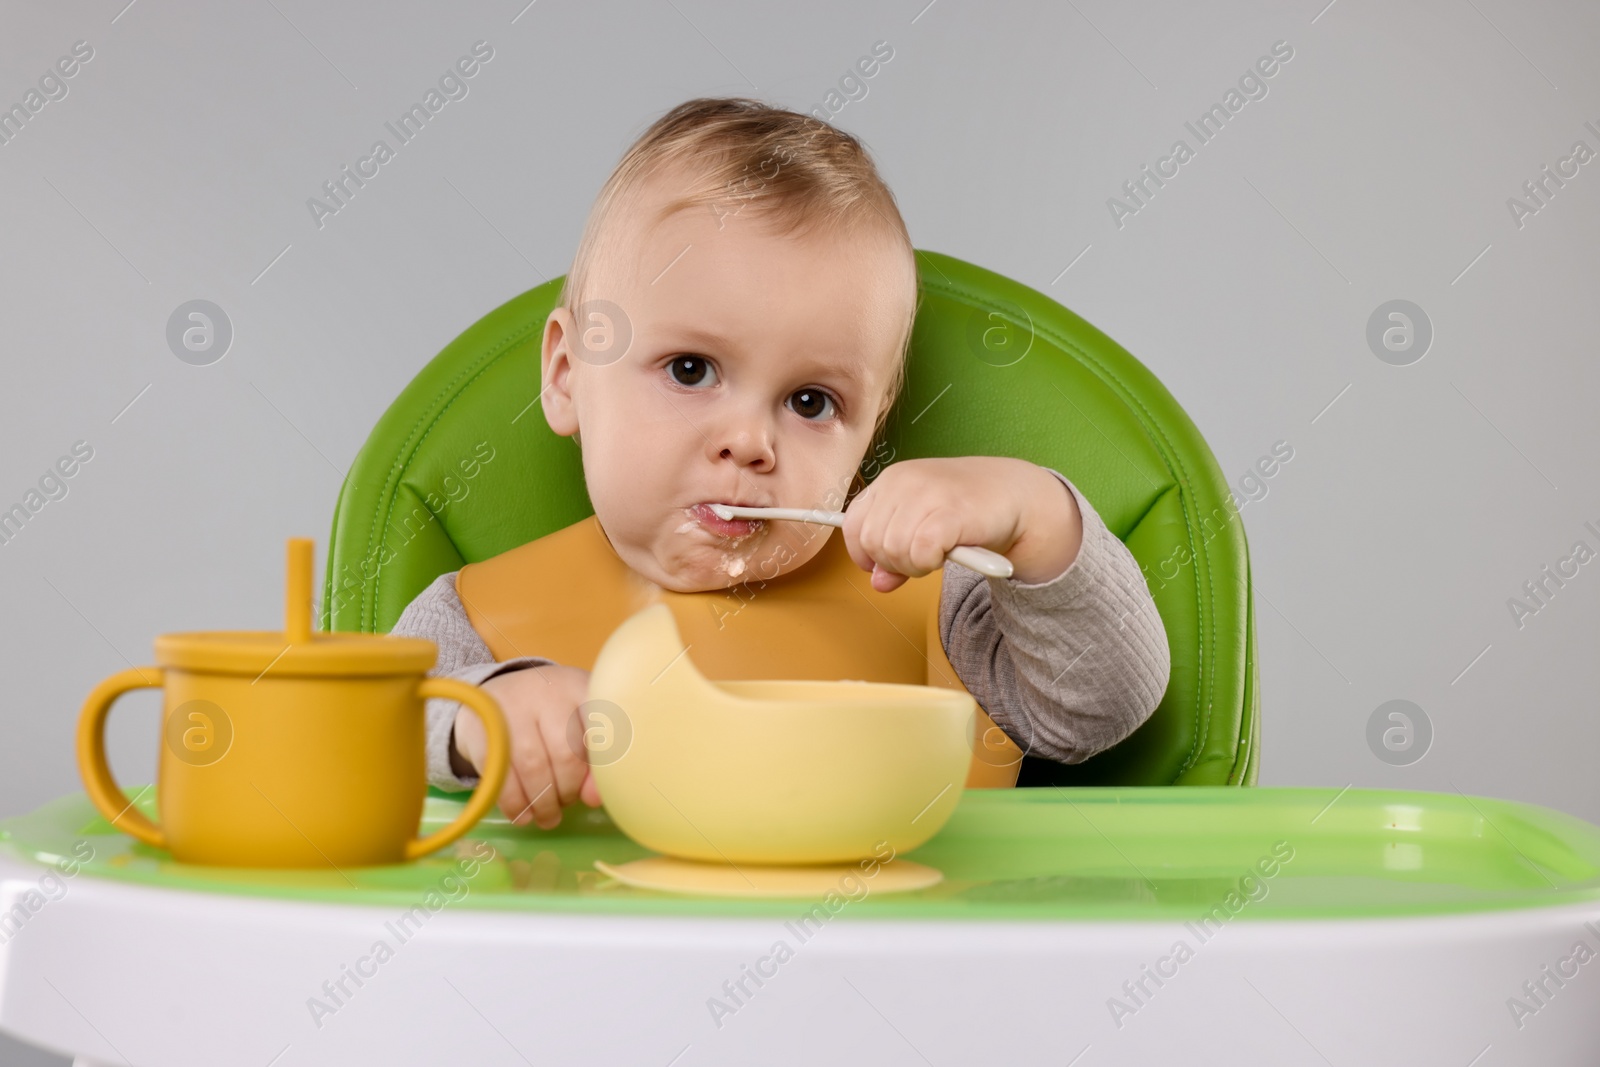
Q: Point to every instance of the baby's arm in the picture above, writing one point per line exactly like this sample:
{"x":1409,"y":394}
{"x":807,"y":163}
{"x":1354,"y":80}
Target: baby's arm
{"x":1066,"y":667}
{"x":437,"y":614}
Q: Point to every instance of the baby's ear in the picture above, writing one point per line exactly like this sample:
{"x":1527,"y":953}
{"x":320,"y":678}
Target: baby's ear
{"x":555,"y":371}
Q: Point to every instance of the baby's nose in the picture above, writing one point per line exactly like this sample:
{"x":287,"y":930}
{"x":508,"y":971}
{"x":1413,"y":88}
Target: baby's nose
{"x":746,"y":442}
{"x":748,"y":455}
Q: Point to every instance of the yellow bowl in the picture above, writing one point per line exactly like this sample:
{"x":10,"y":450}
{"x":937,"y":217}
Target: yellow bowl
{"x":783,"y":772}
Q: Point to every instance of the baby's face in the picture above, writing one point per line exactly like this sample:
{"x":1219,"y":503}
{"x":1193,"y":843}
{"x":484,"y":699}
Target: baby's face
{"x":754,"y":375}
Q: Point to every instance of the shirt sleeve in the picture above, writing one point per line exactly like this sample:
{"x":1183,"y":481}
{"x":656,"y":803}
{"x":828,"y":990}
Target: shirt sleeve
{"x":437,"y":614}
{"x":1068,"y":667}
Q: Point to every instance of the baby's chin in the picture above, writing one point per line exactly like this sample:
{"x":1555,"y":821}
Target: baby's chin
{"x":693,"y":562}
{"x":704,"y":568}
{"x":687,"y":559}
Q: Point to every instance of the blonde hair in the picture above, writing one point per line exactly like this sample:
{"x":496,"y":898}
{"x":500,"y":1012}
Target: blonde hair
{"x":793,"y":171}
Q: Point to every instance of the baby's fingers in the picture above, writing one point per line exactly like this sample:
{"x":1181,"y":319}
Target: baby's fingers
{"x":885,"y":580}
{"x":513,"y":801}
{"x":591,"y":791}
{"x":530,"y":785}
{"x":864,"y":525}
{"x":569,"y":759}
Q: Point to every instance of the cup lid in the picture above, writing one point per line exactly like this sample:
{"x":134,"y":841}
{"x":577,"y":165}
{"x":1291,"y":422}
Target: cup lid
{"x":271,"y":653}
{"x":297,"y":650}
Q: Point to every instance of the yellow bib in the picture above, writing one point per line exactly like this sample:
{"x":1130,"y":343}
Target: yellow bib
{"x":563,"y":595}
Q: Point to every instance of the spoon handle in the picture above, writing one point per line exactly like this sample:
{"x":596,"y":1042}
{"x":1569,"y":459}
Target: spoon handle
{"x":982,"y":560}
{"x":972,"y":557}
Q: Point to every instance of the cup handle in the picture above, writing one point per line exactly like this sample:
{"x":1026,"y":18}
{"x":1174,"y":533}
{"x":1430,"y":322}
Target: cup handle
{"x":493,"y":776}
{"x":102,"y":788}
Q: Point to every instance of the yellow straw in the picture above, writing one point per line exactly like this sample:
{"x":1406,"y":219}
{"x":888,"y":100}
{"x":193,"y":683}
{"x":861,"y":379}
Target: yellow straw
{"x":297,"y":605}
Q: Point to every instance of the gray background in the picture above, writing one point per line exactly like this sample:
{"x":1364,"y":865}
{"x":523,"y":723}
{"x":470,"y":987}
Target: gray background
{"x":1377,"y":167}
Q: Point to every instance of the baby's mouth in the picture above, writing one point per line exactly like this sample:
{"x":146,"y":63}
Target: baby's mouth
{"x":729,"y":528}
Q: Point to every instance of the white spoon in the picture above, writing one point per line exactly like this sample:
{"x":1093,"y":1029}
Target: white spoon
{"x":970,"y":556}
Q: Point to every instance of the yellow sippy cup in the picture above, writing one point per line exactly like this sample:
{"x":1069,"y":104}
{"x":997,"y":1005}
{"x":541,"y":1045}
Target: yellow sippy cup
{"x":293,"y":749}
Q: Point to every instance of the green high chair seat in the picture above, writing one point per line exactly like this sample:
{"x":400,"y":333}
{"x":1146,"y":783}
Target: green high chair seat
{"x":463,"y":466}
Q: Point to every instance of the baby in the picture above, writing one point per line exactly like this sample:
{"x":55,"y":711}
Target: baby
{"x":734,"y":330}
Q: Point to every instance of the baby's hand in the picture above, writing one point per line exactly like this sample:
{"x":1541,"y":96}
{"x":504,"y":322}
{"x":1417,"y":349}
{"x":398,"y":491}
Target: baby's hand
{"x":547,"y":771}
{"x":915,"y":511}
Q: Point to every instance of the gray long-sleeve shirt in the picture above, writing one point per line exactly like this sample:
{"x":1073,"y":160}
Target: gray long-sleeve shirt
{"x":1067,"y":668}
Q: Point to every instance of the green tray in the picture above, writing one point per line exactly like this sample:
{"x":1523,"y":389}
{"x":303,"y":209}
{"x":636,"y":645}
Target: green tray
{"x":1035,"y":854}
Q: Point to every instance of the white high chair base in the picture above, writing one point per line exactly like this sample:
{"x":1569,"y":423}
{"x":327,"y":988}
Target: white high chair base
{"x":116,"y":973}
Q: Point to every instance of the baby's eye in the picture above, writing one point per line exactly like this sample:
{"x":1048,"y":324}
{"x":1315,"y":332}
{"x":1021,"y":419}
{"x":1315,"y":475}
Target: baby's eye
{"x":811,"y":404}
{"x":690,"y":370}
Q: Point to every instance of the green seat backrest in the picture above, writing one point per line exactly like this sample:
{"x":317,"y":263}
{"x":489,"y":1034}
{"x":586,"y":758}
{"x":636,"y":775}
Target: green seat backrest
{"x":463,"y":466}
